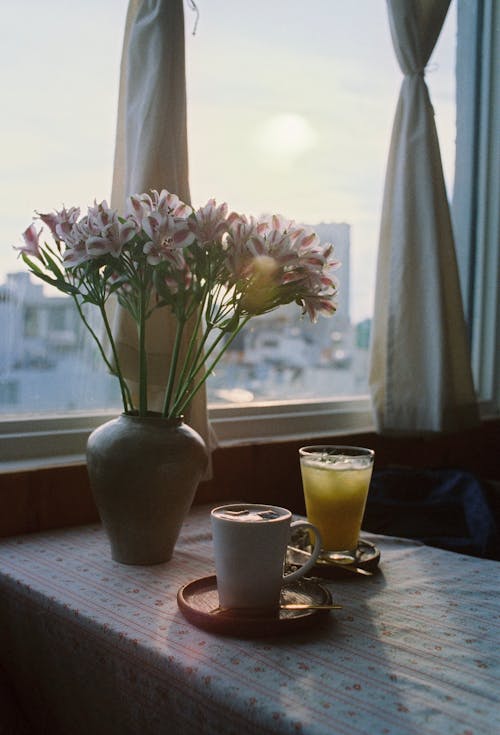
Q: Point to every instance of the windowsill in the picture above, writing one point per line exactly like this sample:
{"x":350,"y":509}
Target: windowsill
{"x":41,"y":463}
{"x":273,"y":421}
{"x":28,"y":444}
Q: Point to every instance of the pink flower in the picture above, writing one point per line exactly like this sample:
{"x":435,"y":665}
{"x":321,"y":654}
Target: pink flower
{"x":61,"y":223}
{"x":107,"y":235}
{"x":167,"y":203}
{"x":100,"y":217}
{"x":31,"y":245}
{"x":313,"y":261}
{"x":315,"y":305}
{"x":76,"y":244}
{"x":50,"y":220}
{"x":208,"y":223}
{"x":278,"y":245}
{"x":162,"y":203}
{"x":76,"y":255}
{"x":242,"y":242}
{"x":165,"y":232}
{"x":317,"y":286}
{"x":164,"y":252}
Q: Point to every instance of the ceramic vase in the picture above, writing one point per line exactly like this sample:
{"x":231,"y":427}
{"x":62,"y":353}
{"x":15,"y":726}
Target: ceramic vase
{"x":144,"y":472}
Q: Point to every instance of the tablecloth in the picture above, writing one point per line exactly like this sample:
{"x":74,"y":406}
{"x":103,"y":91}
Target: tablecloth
{"x":95,"y":647}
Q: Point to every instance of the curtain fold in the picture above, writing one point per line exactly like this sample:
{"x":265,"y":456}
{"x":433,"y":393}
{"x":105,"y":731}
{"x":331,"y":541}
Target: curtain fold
{"x":420,"y":374}
{"x":151,"y":153}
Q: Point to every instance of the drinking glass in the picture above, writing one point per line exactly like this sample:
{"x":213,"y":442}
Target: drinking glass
{"x":335,"y":480}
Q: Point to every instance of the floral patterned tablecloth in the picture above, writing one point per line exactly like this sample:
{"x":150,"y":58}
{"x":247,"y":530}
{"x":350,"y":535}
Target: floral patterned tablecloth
{"x":95,"y":647}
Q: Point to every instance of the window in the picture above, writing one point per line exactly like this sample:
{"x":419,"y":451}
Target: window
{"x":476,"y":194}
{"x":293,"y":109}
{"x":291,"y":114}
{"x":60,"y":71}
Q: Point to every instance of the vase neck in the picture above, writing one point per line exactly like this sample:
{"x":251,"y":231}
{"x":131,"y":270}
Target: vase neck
{"x":153,"y":416}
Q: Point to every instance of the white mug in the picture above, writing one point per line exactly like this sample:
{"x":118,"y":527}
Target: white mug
{"x":250,"y":542}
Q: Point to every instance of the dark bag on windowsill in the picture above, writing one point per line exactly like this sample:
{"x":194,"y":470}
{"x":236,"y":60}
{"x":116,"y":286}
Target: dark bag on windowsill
{"x":446,"y":508}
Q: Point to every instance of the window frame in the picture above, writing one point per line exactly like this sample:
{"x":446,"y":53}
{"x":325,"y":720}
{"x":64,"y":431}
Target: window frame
{"x":29,"y":443}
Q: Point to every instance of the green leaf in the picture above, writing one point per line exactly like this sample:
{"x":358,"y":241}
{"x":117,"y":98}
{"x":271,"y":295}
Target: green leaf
{"x":35,"y":269}
{"x":57,"y":283}
{"x":51,"y":263}
{"x":230,"y":325}
{"x":89,"y":298}
{"x":114,"y":287}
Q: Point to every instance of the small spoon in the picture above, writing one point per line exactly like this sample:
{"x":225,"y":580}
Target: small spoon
{"x":284,"y":606}
{"x":308,"y":606}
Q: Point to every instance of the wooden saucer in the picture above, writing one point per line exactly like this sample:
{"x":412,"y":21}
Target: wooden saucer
{"x":199,"y":603}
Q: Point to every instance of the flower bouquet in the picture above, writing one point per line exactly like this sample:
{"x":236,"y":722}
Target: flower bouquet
{"x":213,"y":269}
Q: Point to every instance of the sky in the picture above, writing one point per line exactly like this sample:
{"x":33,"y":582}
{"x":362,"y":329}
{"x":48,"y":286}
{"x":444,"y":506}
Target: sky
{"x":290,"y":109}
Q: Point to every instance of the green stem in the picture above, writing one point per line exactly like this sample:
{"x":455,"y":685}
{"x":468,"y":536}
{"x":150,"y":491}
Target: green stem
{"x":128,"y":404}
{"x":182,"y":385}
{"x":126,"y":400}
{"x":179,"y":408}
{"x":197,"y":364}
{"x":173,"y":366}
{"x":143,"y":362}
{"x":214,"y":316}
{"x":201,"y":357}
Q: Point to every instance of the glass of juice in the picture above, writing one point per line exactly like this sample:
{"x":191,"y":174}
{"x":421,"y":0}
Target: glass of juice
{"x":336,"y":481}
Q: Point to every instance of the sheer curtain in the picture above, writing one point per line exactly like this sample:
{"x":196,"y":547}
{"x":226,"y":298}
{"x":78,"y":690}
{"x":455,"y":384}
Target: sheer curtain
{"x":151,"y":153}
{"x":420,"y":374}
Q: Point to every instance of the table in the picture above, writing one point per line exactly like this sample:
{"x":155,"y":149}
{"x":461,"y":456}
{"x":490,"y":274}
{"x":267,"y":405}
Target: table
{"x":96,"y":647}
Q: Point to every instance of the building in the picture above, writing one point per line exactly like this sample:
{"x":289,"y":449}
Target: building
{"x":47,"y":361}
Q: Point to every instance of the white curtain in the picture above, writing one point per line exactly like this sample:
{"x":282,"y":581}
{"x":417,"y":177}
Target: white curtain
{"x":420,"y":374}
{"x":151,"y":153}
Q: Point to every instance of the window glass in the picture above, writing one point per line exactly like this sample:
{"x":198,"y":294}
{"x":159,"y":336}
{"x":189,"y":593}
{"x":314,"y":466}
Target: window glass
{"x":290,"y":109}
{"x":59,"y":72}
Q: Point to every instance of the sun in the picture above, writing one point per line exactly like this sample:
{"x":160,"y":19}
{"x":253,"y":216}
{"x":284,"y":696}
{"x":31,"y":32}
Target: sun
{"x":286,"y":136}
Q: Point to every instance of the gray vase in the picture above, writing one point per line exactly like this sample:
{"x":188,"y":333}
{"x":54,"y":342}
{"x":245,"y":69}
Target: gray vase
{"x":144,"y":472}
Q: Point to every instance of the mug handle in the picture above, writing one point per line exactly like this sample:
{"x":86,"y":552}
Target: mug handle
{"x":314,"y":554}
